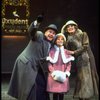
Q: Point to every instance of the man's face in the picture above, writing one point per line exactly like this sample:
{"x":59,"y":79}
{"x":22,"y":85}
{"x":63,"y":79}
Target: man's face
{"x":50,"y":34}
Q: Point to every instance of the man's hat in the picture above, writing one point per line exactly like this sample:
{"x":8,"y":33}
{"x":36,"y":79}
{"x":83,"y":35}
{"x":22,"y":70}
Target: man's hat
{"x":53,"y":27}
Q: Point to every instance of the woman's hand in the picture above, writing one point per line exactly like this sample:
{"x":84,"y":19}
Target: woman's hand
{"x":72,"y":52}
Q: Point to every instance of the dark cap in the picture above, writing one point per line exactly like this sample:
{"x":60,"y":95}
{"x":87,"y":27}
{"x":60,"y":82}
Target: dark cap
{"x":53,"y":27}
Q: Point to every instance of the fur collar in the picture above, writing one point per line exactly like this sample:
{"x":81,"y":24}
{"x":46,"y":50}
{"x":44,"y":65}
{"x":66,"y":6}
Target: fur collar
{"x":55,"y":59}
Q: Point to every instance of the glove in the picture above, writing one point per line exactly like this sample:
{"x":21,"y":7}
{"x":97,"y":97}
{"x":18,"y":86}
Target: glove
{"x":48,"y":58}
{"x":39,"y":18}
{"x":59,"y":76}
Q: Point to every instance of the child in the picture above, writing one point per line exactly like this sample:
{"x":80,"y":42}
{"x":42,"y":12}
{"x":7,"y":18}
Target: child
{"x":59,"y":68}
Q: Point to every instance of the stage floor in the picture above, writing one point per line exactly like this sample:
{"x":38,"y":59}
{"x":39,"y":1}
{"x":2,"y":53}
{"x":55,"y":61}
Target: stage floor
{"x":5,"y":83}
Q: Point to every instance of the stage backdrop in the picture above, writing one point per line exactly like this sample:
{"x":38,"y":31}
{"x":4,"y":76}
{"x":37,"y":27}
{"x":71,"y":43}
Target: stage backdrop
{"x":18,"y":14}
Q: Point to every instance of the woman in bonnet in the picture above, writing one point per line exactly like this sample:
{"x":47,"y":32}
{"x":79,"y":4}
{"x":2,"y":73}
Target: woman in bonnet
{"x":87,"y":81}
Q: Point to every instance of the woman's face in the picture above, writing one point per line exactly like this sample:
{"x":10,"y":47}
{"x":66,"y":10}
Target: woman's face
{"x":71,"y":29}
{"x":60,"y":41}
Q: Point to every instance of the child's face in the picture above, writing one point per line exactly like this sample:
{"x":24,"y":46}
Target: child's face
{"x":60,"y":41}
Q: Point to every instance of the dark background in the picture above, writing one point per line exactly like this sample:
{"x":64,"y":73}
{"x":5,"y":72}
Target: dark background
{"x":84,"y":12}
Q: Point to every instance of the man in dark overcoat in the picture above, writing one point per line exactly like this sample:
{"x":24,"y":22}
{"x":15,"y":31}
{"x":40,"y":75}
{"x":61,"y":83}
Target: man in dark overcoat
{"x":28,"y":79}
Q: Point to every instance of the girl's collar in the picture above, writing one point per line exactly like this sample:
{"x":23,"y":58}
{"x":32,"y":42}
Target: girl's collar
{"x":57,"y":48}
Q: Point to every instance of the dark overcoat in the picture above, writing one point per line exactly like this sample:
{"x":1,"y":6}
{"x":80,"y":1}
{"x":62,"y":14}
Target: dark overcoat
{"x":26,"y":67}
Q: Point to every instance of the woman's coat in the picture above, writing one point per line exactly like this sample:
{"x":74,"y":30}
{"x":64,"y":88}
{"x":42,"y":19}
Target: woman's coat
{"x":87,"y":79}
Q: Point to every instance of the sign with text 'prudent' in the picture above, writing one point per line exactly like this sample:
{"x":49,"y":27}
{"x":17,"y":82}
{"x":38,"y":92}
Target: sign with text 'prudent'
{"x":15,"y":17}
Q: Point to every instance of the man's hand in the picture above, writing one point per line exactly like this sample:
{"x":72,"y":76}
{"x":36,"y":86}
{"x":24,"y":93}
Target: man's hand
{"x":38,"y":21}
{"x":39,"y":18}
